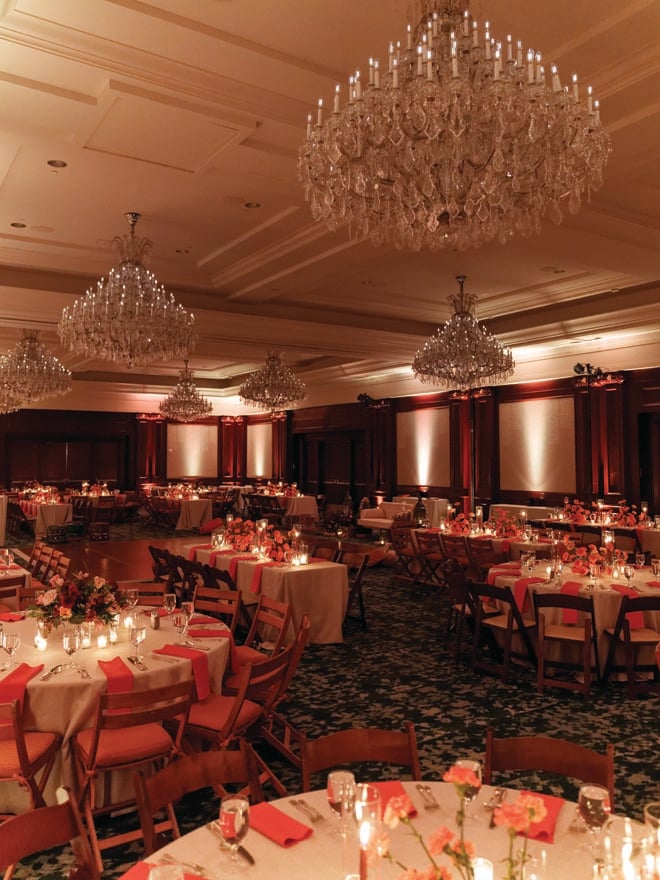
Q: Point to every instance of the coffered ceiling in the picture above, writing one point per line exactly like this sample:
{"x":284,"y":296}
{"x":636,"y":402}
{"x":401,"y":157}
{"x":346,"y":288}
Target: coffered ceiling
{"x":191,"y":112}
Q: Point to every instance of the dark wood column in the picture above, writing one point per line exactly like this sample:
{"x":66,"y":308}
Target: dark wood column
{"x":151,"y":447}
{"x":233,"y":446}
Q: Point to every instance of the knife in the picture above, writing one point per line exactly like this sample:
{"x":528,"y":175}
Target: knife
{"x":213,"y":828}
{"x":51,"y":672}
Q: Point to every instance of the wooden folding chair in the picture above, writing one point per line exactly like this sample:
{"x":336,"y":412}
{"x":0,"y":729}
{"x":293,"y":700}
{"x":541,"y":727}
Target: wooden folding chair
{"x":549,"y":755}
{"x":430,"y":556}
{"x":360,"y":745}
{"x":641,"y":675}
{"x":44,"y":828}
{"x":483,"y":555}
{"x":161,"y":791}
{"x":225,"y":605}
{"x":356,"y":563}
{"x":332,"y":554}
{"x":272,"y":617}
{"x":580,"y":636}
{"x":461,"y":606}
{"x":455,"y":547}
{"x":407,"y":556}
{"x":508,"y":621}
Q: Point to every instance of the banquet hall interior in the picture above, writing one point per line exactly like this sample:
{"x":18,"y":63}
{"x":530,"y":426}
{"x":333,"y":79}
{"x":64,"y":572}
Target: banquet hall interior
{"x":472,"y":368}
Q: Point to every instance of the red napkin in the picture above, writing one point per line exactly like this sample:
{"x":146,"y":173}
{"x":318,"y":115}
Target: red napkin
{"x":161,"y":612}
{"x":277,"y":826}
{"x":509,"y":569}
{"x":12,"y":686}
{"x":653,"y":583}
{"x":219,"y":634}
{"x":391,"y":789}
{"x":200,"y":665}
{"x":255,"y":584}
{"x":233,"y":564}
{"x":202,"y":620}
{"x":13,"y":566}
{"x":521,"y":593}
{"x":635,"y":618}
{"x":545,"y":830}
{"x":140,"y":871}
{"x":192,"y":553}
{"x":120,"y":677}
{"x":11,"y":616}
{"x":570,"y":588}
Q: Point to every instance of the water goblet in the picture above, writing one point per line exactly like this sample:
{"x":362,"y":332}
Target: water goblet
{"x":469,"y":791}
{"x":180,"y":622}
{"x":137,"y":635}
{"x":629,"y":573}
{"x":11,"y":642}
{"x":188,"y":608}
{"x":132,"y":598}
{"x":169,"y":602}
{"x":341,"y":797}
{"x":234,"y":824}
{"x":594,"y":810}
{"x":70,"y":643}
{"x":655,"y":566}
{"x":530,"y":561}
{"x":640,"y":560}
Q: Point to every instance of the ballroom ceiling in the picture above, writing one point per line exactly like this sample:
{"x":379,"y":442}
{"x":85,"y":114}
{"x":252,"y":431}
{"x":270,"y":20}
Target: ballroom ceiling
{"x":191,"y":112}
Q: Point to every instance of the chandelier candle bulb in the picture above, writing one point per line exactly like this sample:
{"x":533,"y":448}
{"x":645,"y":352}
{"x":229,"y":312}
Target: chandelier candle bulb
{"x":409,"y":38}
{"x":319,"y":113}
{"x":509,"y":48}
{"x":466,"y":24}
{"x":475,"y":35}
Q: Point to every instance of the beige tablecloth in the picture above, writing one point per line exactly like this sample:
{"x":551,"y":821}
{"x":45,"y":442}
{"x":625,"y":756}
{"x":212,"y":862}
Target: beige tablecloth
{"x":194,"y":512}
{"x":47,"y":515}
{"x":302,"y":505}
{"x":66,"y":703}
{"x":320,"y":589}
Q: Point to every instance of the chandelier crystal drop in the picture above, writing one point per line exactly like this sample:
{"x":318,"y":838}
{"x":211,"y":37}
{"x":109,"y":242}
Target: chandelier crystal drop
{"x":185,"y":403}
{"x":29,"y":373}
{"x":462,"y":353}
{"x":456,"y":141}
{"x":274,"y":386}
{"x":130,"y":317}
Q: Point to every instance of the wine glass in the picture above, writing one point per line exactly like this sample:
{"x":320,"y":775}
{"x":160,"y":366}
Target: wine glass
{"x":469,"y":792}
{"x":71,"y":643}
{"x":180,"y":622}
{"x":137,"y":635}
{"x":188,"y":608}
{"x":640,"y":560}
{"x":132,"y":598}
{"x":341,"y":796}
{"x":655,"y":566}
{"x":11,"y":642}
{"x":234,"y":824}
{"x":169,"y":602}
{"x":594,"y":810}
{"x":629,"y":573}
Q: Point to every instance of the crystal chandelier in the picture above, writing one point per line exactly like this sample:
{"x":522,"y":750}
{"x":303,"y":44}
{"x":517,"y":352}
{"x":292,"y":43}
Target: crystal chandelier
{"x":274,"y":386}
{"x":185,"y":403}
{"x":130,"y":318}
{"x":458,"y":140}
{"x":462,"y":353}
{"x":29,"y":373}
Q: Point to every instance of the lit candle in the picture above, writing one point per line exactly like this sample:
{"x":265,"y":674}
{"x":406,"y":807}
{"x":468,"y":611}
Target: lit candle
{"x":309,"y":125}
{"x":114,"y":635}
{"x":371,"y":71}
{"x":454,"y":60}
{"x":365,"y":836}
{"x":377,"y":85}
{"x":420,"y":61}
{"x":390,"y":57}
{"x":590,"y":100}
{"x":487,"y":41}
{"x":101,"y":640}
{"x":509,"y":48}
{"x":86,"y":641}
{"x":498,"y":62}
{"x":575,"y":87}
{"x":466,"y":23}
{"x":429,"y":63}
{"x":519,"y":53}
{"x":556,"y":83}
{"x":409,"y":38}
{"x":597,"y":109}
{"x":319,"y":113}
{"x":475,"y":35}
{"x":482,"y":869}
{"x":40,"y":643}
{"x":336,"y":105}
{"x":128,"y":621}
{"x":358,"y":95}
{"x":530,"y":66}
{"x":395,"y":74}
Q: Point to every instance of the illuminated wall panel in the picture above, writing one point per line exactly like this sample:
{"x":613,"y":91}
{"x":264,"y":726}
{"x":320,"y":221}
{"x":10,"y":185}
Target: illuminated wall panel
{"x":422,"y":448}
{"x":537,"y":445}
{"x":192,"y":451}
{"x":260,"y":450}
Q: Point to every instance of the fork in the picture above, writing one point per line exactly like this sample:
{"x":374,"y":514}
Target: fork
{"x":311,"y":812}
{"x":167,"y":859}
{"x":430,"y":803}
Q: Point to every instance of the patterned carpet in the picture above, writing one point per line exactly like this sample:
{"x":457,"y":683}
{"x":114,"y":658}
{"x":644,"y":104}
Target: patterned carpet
{"x":401,"y":669}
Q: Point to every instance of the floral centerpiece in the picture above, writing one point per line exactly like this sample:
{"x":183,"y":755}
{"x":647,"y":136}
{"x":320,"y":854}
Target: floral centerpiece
{"x":274,"y":544}
{"x":581,"y":558}
{"x":517,"y":817}
{"x":504,"y":524}
{"x":79,"y":599}
{"x":460,"y":525}
{"x":626,"y":516}
{"x":575,"y":511}
{"x":243,"y":536}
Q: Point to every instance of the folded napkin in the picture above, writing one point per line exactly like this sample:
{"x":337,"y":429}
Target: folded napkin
{"x":393,"y":788}
{"x":569,"y":616}
{"x":192,"y":552}
{"x":12,"y":566}
{"x":218,"y":633}
{"x":141,"y":871}
{"x":545,"y":830}
{"x":119,"y":676}
{"x":507,"y":569}
{"x":653,"y":583}
{"x":635,"y":618}
{"x":11,"y":616}
{"x":200,"y":666}
{"x":12,"y":686}
{"x":521,"y":592}
{"x":233,"y":564}
{"x":255,"y":584}
{"x":161,"y":612}
{"x":202,"y":620}
{"x":276,"y":825}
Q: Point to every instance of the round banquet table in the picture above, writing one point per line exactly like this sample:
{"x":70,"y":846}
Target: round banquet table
{"x":323,"y":856}
{"x":47,"y":515}
{"x":66,"y":702}
{"x":194,"y":512}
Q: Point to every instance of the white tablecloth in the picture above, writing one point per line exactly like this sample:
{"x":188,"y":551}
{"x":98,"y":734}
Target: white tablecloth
{"x":65,"y":704}
{"x":515,"y":510}
{"x":320,"y":589}
{"x":194,"y":512}
{"x":47,"y":515}
{"x":302,"y":505}
{"x":323,"y":857}
{"x":436,"y":508}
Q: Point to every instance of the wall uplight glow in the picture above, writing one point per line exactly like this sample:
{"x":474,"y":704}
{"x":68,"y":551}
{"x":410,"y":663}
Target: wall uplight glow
{"x":536,"y":445}
{"x":192,"y":451}
{"x":423,"y":448}
{"x":260,"y":450}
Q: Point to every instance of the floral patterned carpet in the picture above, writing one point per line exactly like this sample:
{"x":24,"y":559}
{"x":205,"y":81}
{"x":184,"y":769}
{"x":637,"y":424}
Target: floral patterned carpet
{"x":402,"y":668}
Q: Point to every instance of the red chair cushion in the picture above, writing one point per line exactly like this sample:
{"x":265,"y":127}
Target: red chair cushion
{"x":127,"y":745}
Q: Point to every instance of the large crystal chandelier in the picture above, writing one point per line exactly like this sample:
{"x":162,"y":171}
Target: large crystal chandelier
{"x":462,"y":353}
{"x":185,"y":403}
{"x":129,"y":318}
{"x":274,"y":386}
{"x":457,"y":140}
{"x":29,"y":373}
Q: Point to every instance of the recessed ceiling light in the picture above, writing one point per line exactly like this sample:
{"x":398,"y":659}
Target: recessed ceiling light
{"x":57,"y":163}
{"x":252,"y":205}
{"x":182,"y":250}
{"x":17,"y":225}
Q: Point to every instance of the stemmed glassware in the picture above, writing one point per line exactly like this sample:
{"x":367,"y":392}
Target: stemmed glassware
{"x":71,"y":638}
{"x":469,"y":792}
{"x":132,"y":598}
{"x":655,"y":566}
{"x":169,"y":602}
{"x":188,"y":608}
{"x":594,"y":810}
{"x":234,"y":825}
{"x":341,"y":797}
{"x":640,"y":560}
{"x":138,"y":635}
{"x":629,"y":573}
{"x":180,"y":622}
{"x":11,"y":642}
